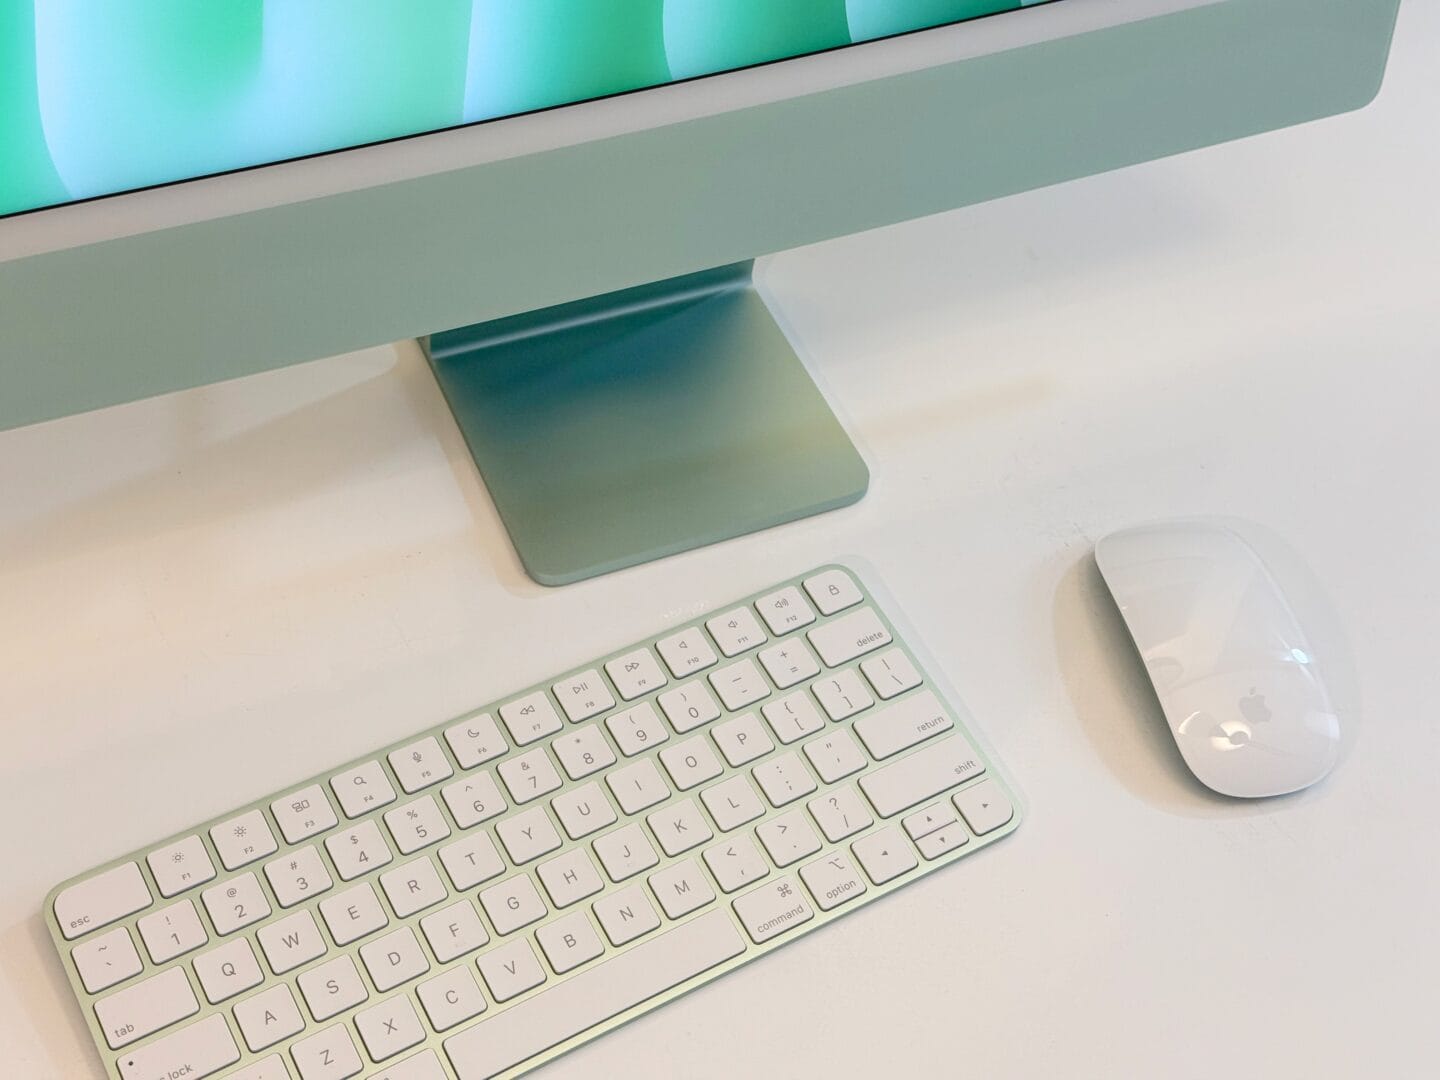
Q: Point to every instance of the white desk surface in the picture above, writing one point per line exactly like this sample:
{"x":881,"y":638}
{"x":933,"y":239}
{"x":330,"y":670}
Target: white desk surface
{"x":208,"y":596}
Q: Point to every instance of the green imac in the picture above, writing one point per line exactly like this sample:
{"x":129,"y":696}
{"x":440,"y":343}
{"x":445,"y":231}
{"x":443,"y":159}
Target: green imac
{"x":563,"y":199}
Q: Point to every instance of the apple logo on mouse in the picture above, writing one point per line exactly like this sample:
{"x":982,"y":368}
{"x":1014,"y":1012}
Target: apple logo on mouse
{"x":1254,"y":709}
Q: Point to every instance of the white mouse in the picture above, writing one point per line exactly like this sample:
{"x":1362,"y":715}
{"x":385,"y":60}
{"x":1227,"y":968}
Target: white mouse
{"x":1231,"y":665}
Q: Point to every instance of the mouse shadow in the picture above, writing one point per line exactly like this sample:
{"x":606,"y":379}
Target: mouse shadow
{"x":1114,"y":701}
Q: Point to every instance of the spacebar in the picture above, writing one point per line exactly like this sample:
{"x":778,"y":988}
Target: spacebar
{"x":584,"y":1000}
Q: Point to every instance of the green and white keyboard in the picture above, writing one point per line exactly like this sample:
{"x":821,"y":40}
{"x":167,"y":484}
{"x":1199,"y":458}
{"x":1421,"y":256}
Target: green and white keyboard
{"x":481,"y":898}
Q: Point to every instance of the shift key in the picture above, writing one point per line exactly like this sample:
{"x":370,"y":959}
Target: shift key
{"x":936,"y":768}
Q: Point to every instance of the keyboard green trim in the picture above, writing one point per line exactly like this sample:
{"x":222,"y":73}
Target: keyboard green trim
{"x":435,"y":1041}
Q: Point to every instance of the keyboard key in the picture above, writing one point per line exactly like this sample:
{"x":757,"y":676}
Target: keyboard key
{"x":413,"y":887}
{"x":690,"y":763}
{"x":788,"y":663}
{"x":330,"y":1055}
{"x":530,"y":718}
{"x":833,"y":880}
{"x":181,"y":866}
{"x":638,"y":787}
{"x":926,"y":821}
{"x":793,"y":717}
{"x":512,"y":904}
{"x":292,"y":941}
{"x":679,"y":827}
{"x":362,"y":789}
{"x":476,"y":741}
{"x":454,"y":931}
{"x":569,"y":942}
{"x":635,"y":673}
{"x":687,"y":652}
{"x":840,"y":813}
{"x":985,"y":807}
{"x":835,"y":756}
{"x":773,"y":909}
{"x":358,"y":850}
{"x":193,"y":1052}
{"x":242,"y":840}
{"x":509,"y":971}
{"x":583,"y":811}
{"x":732,"y":803}
{"x":902,"y":725}
{"x":529,"y":776}
{"x":735,"y":863}
{"x":833,"y":591}
{"x":569,"y":878}
{"x":473,"y":799}
{"x":100,"y":900}
{"x":783,"y":779}
{"x":742,"y":740}
{"x":146,"y":1007}
{"x":681,"y":888}
{"x":268,"y":1017}
{"x":736,"y":631}
{"x":332,"y":988}
{"x":849,"y":637}
{"x":593,"y":996}
{"x":583,"y":752}
{"x":842,"y":695}
{"x":172,"y":931}
{"x":891,"y":673}
{"x":235,"y":903}
{"x":394,"y":959}
{"x":228,"y":970}
{"x":527,"y":836}
{"x":388,"y":1028}
{"x":298,"y":876}
{"x":303,"y":814}
{"x":884,"y":854}
{"x":416,"y":825}
{"x":106,"y":960}
{"x":626,"y":915}
{"x":740,"y":685}
{"x":471,"y":860}
{"x":943,"y":841}
{"x":352,"y":914}
{"x":637,"y":729}
{"x":450,"y":999}
{"x":422,"y":1066}
{"x":269,"y":1068}
{"x":583,"y":696}
{"x":688,"y":707}
{"x":420,"y":764}
{"x":785,"y":610}
{"x":788,"y":839}
{"x":625,"y":853}
{"x":934,"y":768}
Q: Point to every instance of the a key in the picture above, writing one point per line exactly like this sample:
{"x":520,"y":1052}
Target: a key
{"x":732,"y":803}
{"x":840,"y":813}
{"x":291,"y":942}
{"x":394,"y":959}
{"x":529,"y":776}
{"x":984,"y":806}
{"x":583,"y":811}
{"x":929,"y":771}
{"x":101,"y":900}
{"x":352,"y":914}
{"x":736,"y":631}
{"x":569,"y":878}
{"x":476,"y":741}
{"x":332,"y":988}
{"x":943,"y":841}
{"x":106,"y":960}
{"x":583,"y":696}
{"x":742,"y":740}
{"x":785,"y":610}
{"x":242,"y":840}
{"x":512,"y":904}
{"x":783,"y":779}
{"x":635,"y":673}
{"x":832,"y":880}
{"x":793,"y":717}
{"x":422,"y":1066}
{"x":625,"y":853}
{"x":735,"y":863}
{"x":510,"y":970}
{"x":527,"y":836}
{"x":473,"y":799}
{"x":328,"y":1055}
{"x":583,"y":752}
{"x":268,"y":1017}
{"x":450,"y":999}
{"x":270,"y":1067}
{"x":903,"y":725}
{"x":891,"y":673}
{"x":926,"y":821}
{"x":172,"y":931}
{"x":228,"y":970}
{"x":788,"y":663}
{"x":413,"y":887}
{"x":362,"y":789}
{"x":358,"y":850}
{"x":145,"y":1007}
{"x":688,"y":707}
{"x":388,"y":1028}
{"x":835,"y":756}
{"x":852,"y":635}
{"x":772,"y":909}
{"x":235,"y":903}
{"x":885,"y":854}
{"x":842,"y":694}
{"x":181,"y":866}
{"x":303,"y":814}
{"x":637,"y":787}
{"x":788,"y":838}
{"x":638,"y":729}
{"x":530,"y":718}
{"x":471,"y":860}
{"x":298,"y":876}
{"x":626,"y":915}
{"x":193,"y":1052}
{"x":569,"y":942}
{"x":416,"y":825}
{"x":454,"y":931}
{"x":832,"y":591}
{"x":681,"y":888}
{"x":690,"y":763}
{"x":739,"y":685}
{"x":687,"y":652}
{"x":679,"y":827}
{"x":420,"y":764}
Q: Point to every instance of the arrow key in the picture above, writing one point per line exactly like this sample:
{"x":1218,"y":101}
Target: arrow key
{"x":984,"y":807}
{"x":885,"y":855}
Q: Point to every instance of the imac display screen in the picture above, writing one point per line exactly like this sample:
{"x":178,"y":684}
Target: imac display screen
{"x":99,"y":97}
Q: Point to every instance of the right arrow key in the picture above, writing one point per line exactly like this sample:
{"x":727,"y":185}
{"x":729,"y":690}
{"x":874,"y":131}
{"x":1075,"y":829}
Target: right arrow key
{"x":984,"y":807}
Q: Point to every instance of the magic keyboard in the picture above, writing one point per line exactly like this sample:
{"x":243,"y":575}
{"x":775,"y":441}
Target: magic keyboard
{"x":491,"y":893}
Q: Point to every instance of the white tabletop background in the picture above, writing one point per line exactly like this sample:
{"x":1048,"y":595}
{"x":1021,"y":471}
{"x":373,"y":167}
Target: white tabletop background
{"x":208,"y":596}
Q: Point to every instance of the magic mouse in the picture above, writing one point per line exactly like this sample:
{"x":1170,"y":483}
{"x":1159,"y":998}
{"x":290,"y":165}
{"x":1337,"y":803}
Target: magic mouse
{"x":1232,"y":667}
